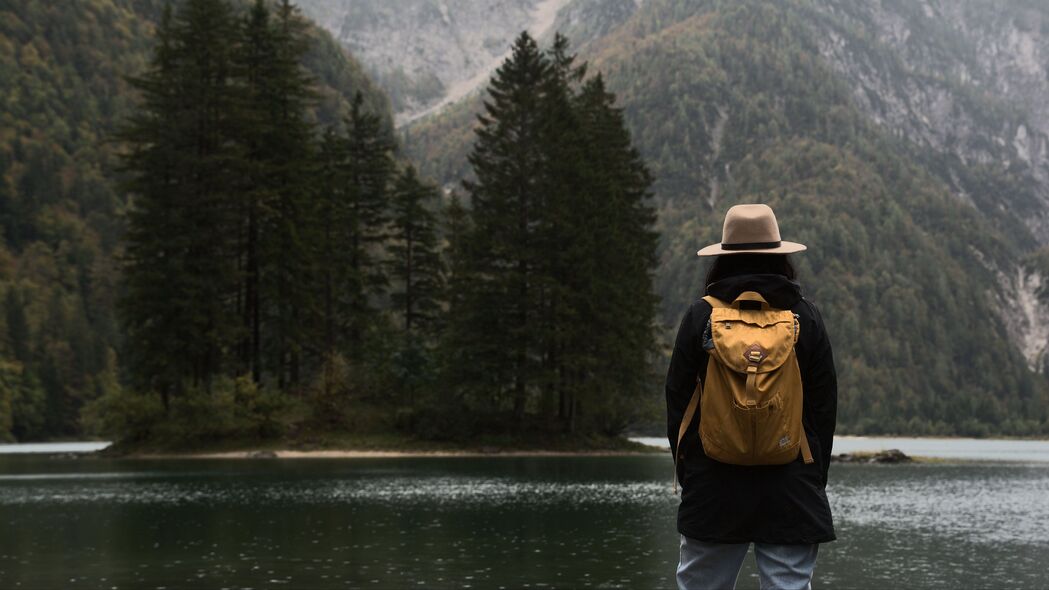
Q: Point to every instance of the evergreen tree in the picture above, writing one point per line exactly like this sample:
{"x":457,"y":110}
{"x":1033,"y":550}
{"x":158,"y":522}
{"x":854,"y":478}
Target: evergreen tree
{"x":619,"y":255}
{"x":415,"y":261}
{"x":560,"y":253}
{"x":352,"y":209}
{"x":367,"y":172}
{"x":564,"y":235}
{"x":499,"y":350}
{"x":180,"y":282}
{"x":416,"y":270}
{"x":327,"y":251}
{"x":277,"y":139}
{"x":456,"y":296}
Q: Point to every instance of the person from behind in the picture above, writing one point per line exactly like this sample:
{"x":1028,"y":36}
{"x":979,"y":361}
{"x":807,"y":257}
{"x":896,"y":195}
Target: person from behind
{"x":751,"y":398}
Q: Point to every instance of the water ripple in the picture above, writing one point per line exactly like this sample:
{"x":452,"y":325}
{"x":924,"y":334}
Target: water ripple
{"x":386,"y":490}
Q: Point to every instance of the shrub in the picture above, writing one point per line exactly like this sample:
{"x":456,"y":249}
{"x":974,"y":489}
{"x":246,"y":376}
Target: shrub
{"x":122,"y":415}
{"x":229,"y":409}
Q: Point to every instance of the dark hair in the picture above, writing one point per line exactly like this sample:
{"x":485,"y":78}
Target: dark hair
{"x":728,"y":265}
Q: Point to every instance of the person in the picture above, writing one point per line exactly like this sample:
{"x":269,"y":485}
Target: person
{"x":781,"y":509}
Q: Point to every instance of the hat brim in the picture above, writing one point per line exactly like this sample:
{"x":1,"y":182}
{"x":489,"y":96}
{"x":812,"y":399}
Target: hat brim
{"x":784,"y":247}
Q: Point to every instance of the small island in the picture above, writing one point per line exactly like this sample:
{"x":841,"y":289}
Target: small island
{"x":890,"y":456}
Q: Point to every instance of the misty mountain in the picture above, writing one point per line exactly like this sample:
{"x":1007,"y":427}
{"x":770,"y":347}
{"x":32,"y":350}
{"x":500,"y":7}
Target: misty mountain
{"x":426,"y":54}
{"x":905,"y":142}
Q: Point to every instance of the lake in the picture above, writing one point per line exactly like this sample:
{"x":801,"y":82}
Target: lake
{"x":482,"y":522}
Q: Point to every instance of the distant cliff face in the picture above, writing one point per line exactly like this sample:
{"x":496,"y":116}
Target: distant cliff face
{"x":428,"y":52}
{"x":966,"y":80}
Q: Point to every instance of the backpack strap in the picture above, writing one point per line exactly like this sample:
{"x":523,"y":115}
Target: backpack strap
{"x":686,"y":420}
{"x":744,"y":296}
{"x":752,"y":296}
{"x":806,"y":452}
{"x":716,"y":303}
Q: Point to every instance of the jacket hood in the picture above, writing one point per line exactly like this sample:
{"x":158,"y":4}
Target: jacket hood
{"x":778,"y":290}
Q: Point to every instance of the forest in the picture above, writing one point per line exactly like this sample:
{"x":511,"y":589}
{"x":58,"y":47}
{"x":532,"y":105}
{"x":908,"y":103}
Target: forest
{"x":65,"y":92}
{"x":212,"y":232}
{"x":283,"y":275}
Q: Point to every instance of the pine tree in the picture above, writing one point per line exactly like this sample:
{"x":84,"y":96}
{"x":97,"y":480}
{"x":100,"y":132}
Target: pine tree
{"x":566,"y":230}
{"x":277,"y":138}
{"x":180,"y":279}
{"x":557,"y":302}
{"x":367,"y":173}
{"x":498,"y":347}
{"x":416,"y":270}
{"x":156,"y":329}
{"x":620,"y":302}
{"x":458,"y":292}
{"x":354,"y":172}
{"x":328,"y":276}
{"x":415,"y":260}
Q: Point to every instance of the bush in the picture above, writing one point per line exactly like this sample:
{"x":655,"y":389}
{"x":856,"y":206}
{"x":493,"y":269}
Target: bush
{"x":231,"y":409}
{"x":122,"y":415}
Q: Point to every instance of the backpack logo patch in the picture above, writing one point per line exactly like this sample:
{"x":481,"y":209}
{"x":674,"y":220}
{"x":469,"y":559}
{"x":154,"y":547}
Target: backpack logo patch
{"x":755,"y":353}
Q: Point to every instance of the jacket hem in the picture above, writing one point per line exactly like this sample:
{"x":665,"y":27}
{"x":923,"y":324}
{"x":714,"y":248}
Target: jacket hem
{"x":757,"y":539}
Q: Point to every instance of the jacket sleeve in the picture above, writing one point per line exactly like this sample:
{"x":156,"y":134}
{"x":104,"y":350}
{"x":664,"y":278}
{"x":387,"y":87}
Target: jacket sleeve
{"x":685,"y":365}
{"x":821,"y":389}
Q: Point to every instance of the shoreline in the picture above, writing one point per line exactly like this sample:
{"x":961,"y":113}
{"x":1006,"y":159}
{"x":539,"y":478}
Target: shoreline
{"x":377,"y":454}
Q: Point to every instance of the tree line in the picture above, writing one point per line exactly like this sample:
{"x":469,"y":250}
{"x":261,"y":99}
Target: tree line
{"x":281,"y":274}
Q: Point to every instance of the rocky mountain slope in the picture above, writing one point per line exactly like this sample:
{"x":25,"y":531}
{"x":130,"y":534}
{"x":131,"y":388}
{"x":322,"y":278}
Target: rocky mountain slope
{"x":429,"y":53}
{"x":904,"y":141}
{"x":966,"y":82}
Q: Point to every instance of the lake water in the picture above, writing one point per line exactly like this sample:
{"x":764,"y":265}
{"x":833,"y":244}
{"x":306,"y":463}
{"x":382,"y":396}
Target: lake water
{"x":487,"y":522}
{"x":973,"y":449}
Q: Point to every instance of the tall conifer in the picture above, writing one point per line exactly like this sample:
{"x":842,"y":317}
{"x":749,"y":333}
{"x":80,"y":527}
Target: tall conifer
{"x":558,"y":303}
{"x":499,"y":343}
{"x":277,"y":137}
{"x":179,"y":278}
{"x":352,"y":204}
{"x":620,"y":304}
{"x":415,"y":262}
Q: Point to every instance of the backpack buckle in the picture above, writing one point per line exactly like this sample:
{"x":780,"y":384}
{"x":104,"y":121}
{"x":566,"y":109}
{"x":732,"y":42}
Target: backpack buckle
{"x":755,"y":354}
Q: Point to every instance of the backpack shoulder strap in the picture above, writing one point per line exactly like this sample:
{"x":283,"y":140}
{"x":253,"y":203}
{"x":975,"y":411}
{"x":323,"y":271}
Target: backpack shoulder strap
{"x":744,"y":296}
{"x":715,"y":302}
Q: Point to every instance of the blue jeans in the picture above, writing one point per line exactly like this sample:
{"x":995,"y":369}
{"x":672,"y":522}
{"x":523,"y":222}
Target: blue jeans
{"x":716,"y":565}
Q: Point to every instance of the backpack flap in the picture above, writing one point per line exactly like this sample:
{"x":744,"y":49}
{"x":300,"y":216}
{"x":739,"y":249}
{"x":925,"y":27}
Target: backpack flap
{"x":752,"y":340}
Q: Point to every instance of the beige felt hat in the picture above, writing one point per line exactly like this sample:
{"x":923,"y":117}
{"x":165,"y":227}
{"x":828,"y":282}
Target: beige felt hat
{"x":751,"y":229}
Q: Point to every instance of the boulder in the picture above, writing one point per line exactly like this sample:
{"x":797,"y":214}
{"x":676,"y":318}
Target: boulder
{"x":889,"y":456}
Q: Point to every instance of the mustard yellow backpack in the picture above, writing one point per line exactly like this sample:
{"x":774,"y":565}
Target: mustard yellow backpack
{"x":750,"y":403}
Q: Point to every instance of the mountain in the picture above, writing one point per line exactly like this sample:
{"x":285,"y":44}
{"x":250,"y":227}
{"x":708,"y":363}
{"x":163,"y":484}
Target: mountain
{"x":905,"y":142}
{"x":428,"y":53}
{"x":64,"y":68}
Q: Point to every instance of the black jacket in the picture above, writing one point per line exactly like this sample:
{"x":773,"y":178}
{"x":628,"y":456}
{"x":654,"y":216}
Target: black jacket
{"x":782,"y":504}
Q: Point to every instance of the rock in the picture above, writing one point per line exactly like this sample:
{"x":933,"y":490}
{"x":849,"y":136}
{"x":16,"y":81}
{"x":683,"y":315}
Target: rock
{"x":889,"y":456}
{"x":262,"y":455}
